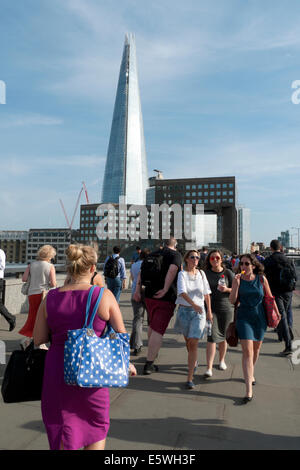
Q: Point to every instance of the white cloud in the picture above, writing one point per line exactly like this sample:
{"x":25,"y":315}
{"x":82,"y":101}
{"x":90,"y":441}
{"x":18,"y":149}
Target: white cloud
{"x":29,"y":119}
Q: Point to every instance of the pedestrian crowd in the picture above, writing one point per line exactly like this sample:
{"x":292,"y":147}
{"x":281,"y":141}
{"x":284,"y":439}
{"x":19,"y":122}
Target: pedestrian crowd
{"x":208,"y":291}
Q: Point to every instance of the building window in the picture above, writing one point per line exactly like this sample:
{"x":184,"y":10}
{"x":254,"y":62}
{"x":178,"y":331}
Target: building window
{"x":199,"y":201}
{"x":199,"y":186}
{"x":212,"y":193}
{"x":194,"y":186}
{"x":188,"y":201}
{"x":193,"y":194}
{"x":218,"y":201}
{"x":212,"y":186}
{"x":188,"y":194}
{"x":212,"y":201}
{"x":188,"y":187}
{"x":230,"y":200}
{"x":224,"y":193}
{"x":224,"y":185}
{"x":205,"y":201}
{"x":206,"y":186}
{"x":205,"y":193}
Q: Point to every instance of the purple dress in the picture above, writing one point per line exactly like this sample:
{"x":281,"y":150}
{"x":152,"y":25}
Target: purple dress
{"x":72,"y":415}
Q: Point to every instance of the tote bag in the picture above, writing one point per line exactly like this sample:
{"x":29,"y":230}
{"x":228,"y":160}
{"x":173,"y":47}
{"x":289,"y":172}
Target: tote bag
{"x":90,"y":361}
{"x":23,"y":376}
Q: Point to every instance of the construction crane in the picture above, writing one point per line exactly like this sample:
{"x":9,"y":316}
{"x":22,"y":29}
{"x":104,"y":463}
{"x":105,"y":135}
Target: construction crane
{"x":83,"y":188}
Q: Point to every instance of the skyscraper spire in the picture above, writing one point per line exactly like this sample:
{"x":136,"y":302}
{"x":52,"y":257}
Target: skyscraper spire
{"x":126,"y":172}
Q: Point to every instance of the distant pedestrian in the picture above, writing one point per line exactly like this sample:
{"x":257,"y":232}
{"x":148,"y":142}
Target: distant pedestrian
{"x":220,"y":282}
{"x":282,"y":277}
{"x":192,"y":295}
{"x":74,"y":417}
{"x":42,"y":278}
{"x":11,"y":319}
{"x":248,"y":289}
{"x":136,"y":255}
{"x":160,"y":297}
{"x":259,"y":256}
{"x":139,"y":308}
{"x":115,"y":273}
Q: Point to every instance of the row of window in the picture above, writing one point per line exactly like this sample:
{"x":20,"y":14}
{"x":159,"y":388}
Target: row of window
{"x":202,"y":201}
{"x":196,"y":186}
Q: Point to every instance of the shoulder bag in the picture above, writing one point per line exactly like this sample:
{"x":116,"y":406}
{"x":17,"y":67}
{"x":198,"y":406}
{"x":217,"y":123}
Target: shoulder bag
{"x":90,"y":361}
{"x":23,"y":376}
{"x":231,"y":332}
{"x":272,"y":315}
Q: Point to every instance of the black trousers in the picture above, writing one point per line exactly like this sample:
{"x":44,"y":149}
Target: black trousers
{"x":3,"y":310}
{"x":283,"y":302}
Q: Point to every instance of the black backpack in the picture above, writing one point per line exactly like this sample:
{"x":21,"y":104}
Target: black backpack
{"x":111,"y":269}
{"x":287,"y":277}
{"x":151,"y":270}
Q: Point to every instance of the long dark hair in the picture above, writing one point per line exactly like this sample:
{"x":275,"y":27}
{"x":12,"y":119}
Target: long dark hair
{"x":258,"y":267}
{"x":207,"y":265}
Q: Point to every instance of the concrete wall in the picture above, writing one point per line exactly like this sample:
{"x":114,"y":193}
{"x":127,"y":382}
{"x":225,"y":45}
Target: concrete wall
{"x":16,"y":302}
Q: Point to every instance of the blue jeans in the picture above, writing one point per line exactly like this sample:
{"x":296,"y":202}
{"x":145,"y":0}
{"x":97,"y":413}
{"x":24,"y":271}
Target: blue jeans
{"x":115,"y":286}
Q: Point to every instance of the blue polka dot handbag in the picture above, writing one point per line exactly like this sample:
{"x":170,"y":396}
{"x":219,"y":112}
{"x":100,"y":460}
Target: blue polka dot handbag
{"x":90,"y":361}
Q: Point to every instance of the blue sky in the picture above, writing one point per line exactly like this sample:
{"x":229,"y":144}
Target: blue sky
{"x":215,"y":82}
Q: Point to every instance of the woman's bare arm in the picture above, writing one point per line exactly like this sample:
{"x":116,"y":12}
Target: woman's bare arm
{"x":41,"y":332}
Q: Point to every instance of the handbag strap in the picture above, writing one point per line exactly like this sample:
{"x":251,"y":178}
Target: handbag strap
{"x":90,"y":325}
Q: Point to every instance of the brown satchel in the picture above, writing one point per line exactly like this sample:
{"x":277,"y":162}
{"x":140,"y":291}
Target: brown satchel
{"x":231,"y":332}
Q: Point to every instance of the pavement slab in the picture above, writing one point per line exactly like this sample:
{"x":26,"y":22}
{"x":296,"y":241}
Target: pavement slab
{"x":156,"y":412}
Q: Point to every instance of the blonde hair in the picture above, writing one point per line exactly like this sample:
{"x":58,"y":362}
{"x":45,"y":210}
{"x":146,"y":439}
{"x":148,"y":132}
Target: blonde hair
{"x":80,"y":258}
{"x":46,"y":252}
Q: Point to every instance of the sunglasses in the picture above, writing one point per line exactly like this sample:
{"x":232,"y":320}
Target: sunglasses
{"x":246,"y":263}
{"x":194,"y":257}
{"x":217,"y":258}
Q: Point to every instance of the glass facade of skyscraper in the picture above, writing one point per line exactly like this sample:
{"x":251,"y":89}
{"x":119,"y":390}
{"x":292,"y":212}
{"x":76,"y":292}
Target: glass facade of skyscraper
{"x":126,"y":168}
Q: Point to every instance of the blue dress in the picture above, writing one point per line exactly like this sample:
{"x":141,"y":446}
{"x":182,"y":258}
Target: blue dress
{"x":251,"y":320}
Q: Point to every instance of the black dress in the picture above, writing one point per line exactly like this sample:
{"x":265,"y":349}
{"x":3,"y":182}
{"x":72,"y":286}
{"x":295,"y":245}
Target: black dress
{"x":221,"y":307}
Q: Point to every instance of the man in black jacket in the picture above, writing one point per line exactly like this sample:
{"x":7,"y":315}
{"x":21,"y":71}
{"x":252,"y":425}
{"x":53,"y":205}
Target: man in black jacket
{"x":274,"y":266}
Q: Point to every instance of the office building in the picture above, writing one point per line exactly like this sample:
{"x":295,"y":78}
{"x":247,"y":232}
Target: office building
{"x":244,"y":230}
{"x":59,"y":238}
{"x":14,"y":245}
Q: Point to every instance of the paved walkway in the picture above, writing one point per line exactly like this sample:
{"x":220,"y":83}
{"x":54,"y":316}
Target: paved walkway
{"x":156,"y":412}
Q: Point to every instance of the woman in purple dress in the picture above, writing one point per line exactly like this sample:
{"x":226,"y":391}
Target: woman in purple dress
{"x":74,"y":417}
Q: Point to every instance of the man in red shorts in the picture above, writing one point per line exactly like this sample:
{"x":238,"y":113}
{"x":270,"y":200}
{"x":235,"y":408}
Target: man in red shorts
{"x":160,"y":301}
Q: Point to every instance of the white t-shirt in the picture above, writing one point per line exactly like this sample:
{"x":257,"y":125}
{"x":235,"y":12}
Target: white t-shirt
{"x":2,"y":263}
{"x":196,"y":287}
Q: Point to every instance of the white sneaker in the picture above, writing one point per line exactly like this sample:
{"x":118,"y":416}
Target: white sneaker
{"x":208,"y":373}
{"x":222,"y":365}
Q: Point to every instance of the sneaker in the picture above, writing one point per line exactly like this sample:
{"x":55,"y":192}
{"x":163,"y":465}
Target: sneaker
{"x":137,"y":351}
{"x":286,"y":352}
{"x":149,"y":368}
{"x":190,"y":385}
{"x":222,"y":365}
{"x":12,"y":324}
{"x":208,"y":373}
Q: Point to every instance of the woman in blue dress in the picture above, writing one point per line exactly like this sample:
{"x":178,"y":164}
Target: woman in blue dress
{"x":248,"y":288}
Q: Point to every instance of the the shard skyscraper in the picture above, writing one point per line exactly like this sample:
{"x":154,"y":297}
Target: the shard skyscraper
{"x":126,"y":173}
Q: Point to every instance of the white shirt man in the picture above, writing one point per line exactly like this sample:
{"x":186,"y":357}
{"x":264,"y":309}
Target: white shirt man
{"x":11,"y":319}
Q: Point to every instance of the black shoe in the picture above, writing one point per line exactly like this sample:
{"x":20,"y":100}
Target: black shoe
{"x":247,"y":399}
{"x":286,"y":352}
{"x":137,"y":351}
{"x":149,"y":368}
{"x":12,"y":324}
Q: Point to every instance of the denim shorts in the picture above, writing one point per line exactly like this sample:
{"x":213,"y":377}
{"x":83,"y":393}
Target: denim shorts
{"x":190,"y":323}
